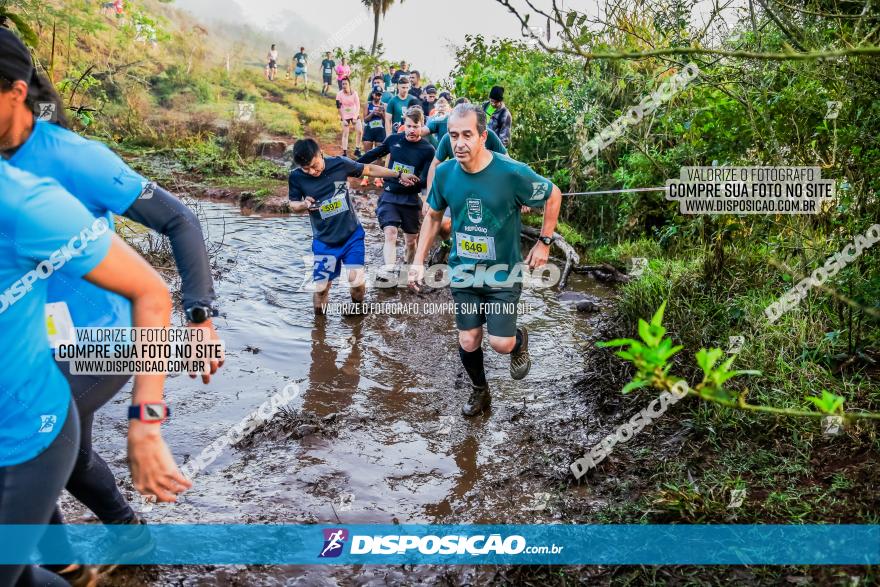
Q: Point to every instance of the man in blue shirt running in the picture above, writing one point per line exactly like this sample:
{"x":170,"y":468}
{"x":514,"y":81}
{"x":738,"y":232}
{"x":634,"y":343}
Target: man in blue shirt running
{"x":320,"y":186}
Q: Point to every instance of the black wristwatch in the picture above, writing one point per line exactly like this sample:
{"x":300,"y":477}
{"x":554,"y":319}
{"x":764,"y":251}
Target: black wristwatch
{"x":547,"y":240}
{"x":199,"y":314}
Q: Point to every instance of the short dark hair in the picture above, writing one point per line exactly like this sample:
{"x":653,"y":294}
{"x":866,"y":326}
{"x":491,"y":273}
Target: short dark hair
{"x":379,"y":77}
{"x":304,"y":150}
{"x":462,"y":100}
{"x":416,"y":114}
{"x":404,"y":79}
{"x":462,"y":110}
{"x":415,"y":72}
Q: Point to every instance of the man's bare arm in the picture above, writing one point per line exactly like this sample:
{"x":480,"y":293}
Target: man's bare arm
{"x":539,"y":254}
{"x":430,"y":228}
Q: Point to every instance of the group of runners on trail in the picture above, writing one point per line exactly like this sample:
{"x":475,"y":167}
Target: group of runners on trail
{"x":61,"y":262}
{"x":474,"y":202}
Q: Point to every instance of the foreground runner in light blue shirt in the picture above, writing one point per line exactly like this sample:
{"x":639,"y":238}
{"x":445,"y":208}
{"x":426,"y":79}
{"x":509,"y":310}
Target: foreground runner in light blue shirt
{"x":105,"y":185}
{"x":45,"y":231}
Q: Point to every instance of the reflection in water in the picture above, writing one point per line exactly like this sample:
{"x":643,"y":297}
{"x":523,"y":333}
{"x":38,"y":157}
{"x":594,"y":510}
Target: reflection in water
{"x":465,"y":455}
{"x":331,"y":385}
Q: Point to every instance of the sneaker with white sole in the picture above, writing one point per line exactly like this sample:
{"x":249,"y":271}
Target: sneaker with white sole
{"x":520,"y":362}
{"x":479,"y":401}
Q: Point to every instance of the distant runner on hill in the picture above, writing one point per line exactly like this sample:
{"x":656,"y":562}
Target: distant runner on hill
{"x":327,"y":66}
{"x":343,"y":70}
{"x":272,"y":64}
{"x":301,"y":59}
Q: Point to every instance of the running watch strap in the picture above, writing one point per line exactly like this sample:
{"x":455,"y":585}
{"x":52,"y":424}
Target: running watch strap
{"x":151,"y":413}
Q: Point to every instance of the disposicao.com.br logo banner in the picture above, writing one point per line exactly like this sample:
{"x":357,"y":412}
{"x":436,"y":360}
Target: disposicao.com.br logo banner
{"x":558,"y":544}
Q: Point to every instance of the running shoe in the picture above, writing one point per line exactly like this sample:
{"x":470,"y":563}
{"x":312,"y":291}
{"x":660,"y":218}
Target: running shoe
{"x":387,"y":274}
{"x":378,"y":182}
{"x":357,"y":152}
{"x":520,"y":362}
{"x":81,"y":576}
{"x":365,"y":182}
{"x":135,"y":542}
{"x":344,"y":153}
{"x":479,"y":400}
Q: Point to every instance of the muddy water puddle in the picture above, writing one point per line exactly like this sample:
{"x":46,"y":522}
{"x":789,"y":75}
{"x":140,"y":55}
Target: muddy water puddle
{"x":375,"y":434}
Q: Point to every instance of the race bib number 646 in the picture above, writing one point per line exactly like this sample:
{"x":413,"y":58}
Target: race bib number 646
{"x":475,"y":247}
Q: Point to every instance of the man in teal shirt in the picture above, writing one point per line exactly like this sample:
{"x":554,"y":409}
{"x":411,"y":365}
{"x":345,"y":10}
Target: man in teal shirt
{"x":444,"y":152}
{"x":485,"y":192}
{"x":397,"y":106}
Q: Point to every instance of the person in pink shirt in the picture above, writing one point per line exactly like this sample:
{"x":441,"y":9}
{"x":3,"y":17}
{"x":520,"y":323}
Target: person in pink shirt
{"x":349,"y":105}
{"x":343,"y":71}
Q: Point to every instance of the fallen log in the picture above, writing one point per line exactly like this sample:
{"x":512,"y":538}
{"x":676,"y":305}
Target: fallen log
{"x":603,"y":272}
{"x":571,"y":256}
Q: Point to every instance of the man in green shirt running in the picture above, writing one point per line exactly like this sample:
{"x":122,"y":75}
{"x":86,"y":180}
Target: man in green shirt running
{"x":444,"y":152}
{"x":485,"y":192}
{"x":397,"y":106}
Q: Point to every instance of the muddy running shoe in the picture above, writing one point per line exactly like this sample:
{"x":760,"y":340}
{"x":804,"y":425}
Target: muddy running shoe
{"x":520,"y":362}
{"x":81,"y":576}
{"x":387,"y":275}
{"x":134,"y":542}
{"x":479,"y":400}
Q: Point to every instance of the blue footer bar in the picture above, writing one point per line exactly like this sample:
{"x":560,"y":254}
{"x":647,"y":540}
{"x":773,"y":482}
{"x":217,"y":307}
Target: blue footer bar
{"x":446,"y":545}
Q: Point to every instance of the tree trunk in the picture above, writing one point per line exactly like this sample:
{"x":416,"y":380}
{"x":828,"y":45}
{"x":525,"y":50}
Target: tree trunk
{"x":376,"y":16}
{"x":571,"y":256}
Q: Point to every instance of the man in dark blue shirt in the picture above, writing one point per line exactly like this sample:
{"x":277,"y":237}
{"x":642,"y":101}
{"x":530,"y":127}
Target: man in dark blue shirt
{"x":320,"y":186}
{"x":327,"y":67}
{"x":399,"y":203}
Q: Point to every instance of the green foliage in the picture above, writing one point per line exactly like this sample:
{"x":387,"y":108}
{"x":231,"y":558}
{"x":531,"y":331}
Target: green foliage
{"x":542,"y":92}
{"x":828,"y":403}
{"x":651,"y":356}
{"x":175,"y":83}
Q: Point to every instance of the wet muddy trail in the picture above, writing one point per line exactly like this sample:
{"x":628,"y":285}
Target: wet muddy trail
{"x":375,"y":434}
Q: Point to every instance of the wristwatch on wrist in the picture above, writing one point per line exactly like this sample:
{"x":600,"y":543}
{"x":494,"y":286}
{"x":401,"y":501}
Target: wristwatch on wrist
{"x":153,"y":413}
{"x":198,"y":314}
{"x":547,"y":240}
{"x":399,"y":174}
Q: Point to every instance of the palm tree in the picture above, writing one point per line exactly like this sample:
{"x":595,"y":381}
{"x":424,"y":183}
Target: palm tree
{"x":379,"y":8}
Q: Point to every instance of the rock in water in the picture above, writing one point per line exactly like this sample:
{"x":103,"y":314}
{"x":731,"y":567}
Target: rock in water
{"x":587,"y":306}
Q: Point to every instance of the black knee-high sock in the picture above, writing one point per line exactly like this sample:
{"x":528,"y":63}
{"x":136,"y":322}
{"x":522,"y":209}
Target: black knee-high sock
{"x":473,"y":364}
{"x":518,"y":341}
